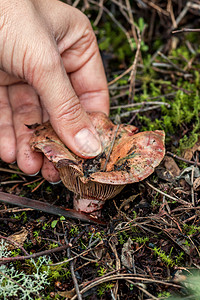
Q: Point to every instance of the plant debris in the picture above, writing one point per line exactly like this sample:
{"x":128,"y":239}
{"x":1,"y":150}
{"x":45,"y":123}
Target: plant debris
{"x":156,"y":221}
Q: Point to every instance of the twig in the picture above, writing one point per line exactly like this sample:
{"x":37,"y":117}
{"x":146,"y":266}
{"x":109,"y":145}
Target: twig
{"x":12,"y":171}
{"x":15,"y":209}
{"x":98,"y":18}
{"x":70,"y":259}
{"x":156,"y":7}
{"x":110,"y":150}
{"x":186,"y":30}
{"x":131,"y":21}
{"x":76,"y":286}
{"x":11,"y":182}
{"x":168,"y":196}
{"x":115,"y":21}
{"x":192,"y":187}
{"x":126,"y":114}
{"x":121,"y":75}
{"x":118,"y":264}
{"x":14,"y":243}
{"x":170,"y":62}
{"x":123,"y":9}
{"x":143,"y":290}
{"x":134,"y":69}
{"x":36,"y":180}
{"x":183,"y":159}
{"x":181,"y":16}
{"x":141,"y":103}
{"x":41,"y":182}
{"x":6,"y":260}
{"x":185,"y":208}
{"x":123,"y":277}
{"x":171,"y":12}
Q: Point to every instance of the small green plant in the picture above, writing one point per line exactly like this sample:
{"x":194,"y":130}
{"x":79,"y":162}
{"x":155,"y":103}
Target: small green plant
{"x":97,"y":235}
{"x":140,"y":25}
{"x":22,"y":217}
{"x":164,"y":295}
{"x":140,"y":240}
{"x":19,"y":284}
{"x":104,"y":287}
{"x":59,"y":272}
{"x":122,"y":237}
{"x":102,"y":271}
{"x":155,"y":202}
{"x":74,"y":230}
{"x":49,"y":189}
{"x":191,"y":229}
{"x":179,"y":258}
{"x":54,"y":223}
{"x":163,"y":256}
{"x":33,"y":185}
{"x":13,"y":176}
{"x":36,"y":234}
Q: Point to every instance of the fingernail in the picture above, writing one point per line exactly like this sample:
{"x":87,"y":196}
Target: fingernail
{"x":87,"y":143}
{"x":34,"y":174}
{"x":53,"y":183}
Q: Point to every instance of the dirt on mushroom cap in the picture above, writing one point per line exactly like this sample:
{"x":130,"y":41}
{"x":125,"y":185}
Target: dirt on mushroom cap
{"x":133,"y":158}
{"x":127,"y":157}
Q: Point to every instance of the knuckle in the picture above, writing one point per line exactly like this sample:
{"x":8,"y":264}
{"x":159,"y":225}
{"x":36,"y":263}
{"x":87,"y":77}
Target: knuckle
{"x":45,"y":62}
{"x":49,"y":60}
{"x":71,"y":111}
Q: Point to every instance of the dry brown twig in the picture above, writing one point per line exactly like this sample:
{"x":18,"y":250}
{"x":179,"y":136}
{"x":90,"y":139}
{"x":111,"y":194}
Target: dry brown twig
{"x":134,"y":69}
{"x":115,"y":21}
{"x":14,"y":243}
{"x":141,"y":103}
{"x":100,"y":13}
{"x":6,"y":260}
{"x":168,"y":196}
{"x":76,"y":286}
{"x":183,"y":159}
{"x":120,"y":76}
{"x":156,"y":7}
{"x":130,"y":14}
{"x":123,"y":277}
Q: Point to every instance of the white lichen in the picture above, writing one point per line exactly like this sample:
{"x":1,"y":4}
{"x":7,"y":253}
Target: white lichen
{"x":15,"y":283}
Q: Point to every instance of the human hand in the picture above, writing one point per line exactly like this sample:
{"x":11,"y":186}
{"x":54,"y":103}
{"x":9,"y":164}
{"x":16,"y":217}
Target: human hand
{"x":50,"y":68}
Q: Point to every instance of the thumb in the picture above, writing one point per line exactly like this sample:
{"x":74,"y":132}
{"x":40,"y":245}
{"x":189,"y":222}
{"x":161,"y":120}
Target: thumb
{"x":66,"y":114}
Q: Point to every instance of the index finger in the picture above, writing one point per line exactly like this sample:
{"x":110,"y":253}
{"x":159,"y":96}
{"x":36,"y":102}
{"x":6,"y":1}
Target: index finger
{"x":84,"y":66}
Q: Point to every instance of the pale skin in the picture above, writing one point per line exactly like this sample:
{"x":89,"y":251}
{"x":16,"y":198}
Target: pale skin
{"x":50,"y":68}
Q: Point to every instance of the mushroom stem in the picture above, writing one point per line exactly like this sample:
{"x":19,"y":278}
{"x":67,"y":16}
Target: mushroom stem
{"x":89,"y":206}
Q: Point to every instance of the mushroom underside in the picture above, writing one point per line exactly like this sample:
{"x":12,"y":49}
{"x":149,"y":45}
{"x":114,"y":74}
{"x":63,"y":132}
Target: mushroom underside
{"x":127,"y":157}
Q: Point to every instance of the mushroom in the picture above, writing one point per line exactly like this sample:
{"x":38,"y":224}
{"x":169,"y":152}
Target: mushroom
{"x":126,"y":157}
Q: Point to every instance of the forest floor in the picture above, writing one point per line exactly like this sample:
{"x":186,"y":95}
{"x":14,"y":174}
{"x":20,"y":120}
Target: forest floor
{"x":150,"y":246}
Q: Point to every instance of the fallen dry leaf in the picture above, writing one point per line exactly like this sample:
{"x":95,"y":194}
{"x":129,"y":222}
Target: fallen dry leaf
{"x":127,"y":258}
{"x":18,"y":237}
{"x":188,"y":153}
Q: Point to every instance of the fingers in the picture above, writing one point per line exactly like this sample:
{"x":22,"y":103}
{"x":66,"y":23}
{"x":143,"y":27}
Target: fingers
{"x":59,"y":94}
{"x":87,"y":75}
{"x":26,"y":111}
{"x":49,"y":172}
{"x":7,"y":135}
{"x":66,"y":114}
